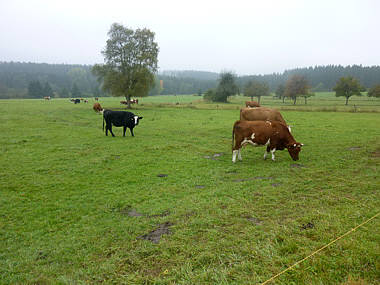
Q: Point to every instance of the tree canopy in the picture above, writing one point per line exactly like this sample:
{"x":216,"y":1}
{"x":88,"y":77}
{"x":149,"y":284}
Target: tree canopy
{"x":226,"y":87}
{"x":256,"y":89}
{"x":374,"y":91}
{"x":347,"y":87}
{"x":296,"y":86}
{"x":130,"y":62}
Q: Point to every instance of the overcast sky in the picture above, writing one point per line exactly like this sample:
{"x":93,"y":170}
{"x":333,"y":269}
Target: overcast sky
{"x":247,"y":37}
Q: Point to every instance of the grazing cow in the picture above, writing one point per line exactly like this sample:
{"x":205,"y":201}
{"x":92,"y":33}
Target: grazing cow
{"x":96,"y":99}
{"x":261,"y":114}
{"x":75,"y":101}
{"x":272,"y":134}
{"x":97,"y":108}
{"x":252,"y":104}
{"x":85,"y":101}
{"x":47,"y":98}
{"x":120,"y":119}
{"x":133,"y":101}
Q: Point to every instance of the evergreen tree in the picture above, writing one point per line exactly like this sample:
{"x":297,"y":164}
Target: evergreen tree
{"x":75,"y":92}
{"x":47,"y":90}
{"x":35,"y":89}
{"x":226,"y":87}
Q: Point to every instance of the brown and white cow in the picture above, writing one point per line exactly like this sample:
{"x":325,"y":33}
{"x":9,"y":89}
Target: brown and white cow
{"x":252,"y":104}
{"x":47,"y":97}
{"x":97,"y":108}
{"x":272,"y":134}
{"x":261,"y":114}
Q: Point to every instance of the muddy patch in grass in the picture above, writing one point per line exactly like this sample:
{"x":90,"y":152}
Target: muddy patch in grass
{"x":354,"y":148}
{"x":254,"y":220}
{"x":214,"y":156}
{"x":307,"y":226}
{"x":155,"y":235}
{"x":253,"y":178}
{"x":162,"y":175}
{"x":200,"y":186}
{"x":130,"y":212}
{"x":376,"y":153}
{"x":297,"y":165}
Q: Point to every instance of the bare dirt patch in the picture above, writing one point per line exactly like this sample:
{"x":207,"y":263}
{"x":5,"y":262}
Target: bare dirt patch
{"x":162,"y":175}
{"x":297,"y":165}
{"x":200,"y":186}
{"x":376,"y":153}
{"x":254,"y":220}
{"x":214,"y":156}
{"x":155,"y":235}
{"x":354,"y":148}
{"x":253,"y":178}
{"x":307,"y":226}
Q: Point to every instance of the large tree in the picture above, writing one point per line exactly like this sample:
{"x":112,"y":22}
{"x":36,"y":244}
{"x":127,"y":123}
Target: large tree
{"x":347,"y":87}
{"x":296,"y":86}
{"x":226,"y":87}
{"x":130,"y":62}
{"x":256,"y":89}
{"x":374,"y":91}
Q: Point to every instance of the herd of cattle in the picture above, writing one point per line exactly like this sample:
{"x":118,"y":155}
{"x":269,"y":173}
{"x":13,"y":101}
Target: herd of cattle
{"x":258,"y":126}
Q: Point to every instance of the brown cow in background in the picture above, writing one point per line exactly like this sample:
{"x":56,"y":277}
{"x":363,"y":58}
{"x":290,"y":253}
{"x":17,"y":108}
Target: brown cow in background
{"x":97,"y":108}
{"x":252,"y":104}
{"x":261,"y":114}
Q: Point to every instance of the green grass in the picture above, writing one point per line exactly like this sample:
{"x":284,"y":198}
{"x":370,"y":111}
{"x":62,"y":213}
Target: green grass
{"x":66,"y":190}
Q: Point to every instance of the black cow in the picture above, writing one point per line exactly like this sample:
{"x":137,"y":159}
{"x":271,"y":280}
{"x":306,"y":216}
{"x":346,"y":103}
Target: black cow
{"x":120,"y":119}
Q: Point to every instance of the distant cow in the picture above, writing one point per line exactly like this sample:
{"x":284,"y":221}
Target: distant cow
{"x":252,"y":104}
{"x":47,"y":98}
{"x":261,"y":114}
{"x":97,"y":108}
{"x":96,"y":99}
{"x":272,"y":134}
{"x":133,"y":101}
{"x":75,"y":101}
{"x":120,"y":119}
{"x":85,"y":101}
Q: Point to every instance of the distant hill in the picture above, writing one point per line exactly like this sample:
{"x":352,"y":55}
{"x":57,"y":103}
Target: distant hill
{"x":15,"y":78}
{"x":201,"y":75}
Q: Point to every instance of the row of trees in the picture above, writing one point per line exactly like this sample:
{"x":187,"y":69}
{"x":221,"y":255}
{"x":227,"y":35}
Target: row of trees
{"x":297,"y":86}
{"x":37,"y":90}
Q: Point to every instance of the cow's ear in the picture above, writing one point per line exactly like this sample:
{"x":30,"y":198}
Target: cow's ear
{"x":140,"y":118}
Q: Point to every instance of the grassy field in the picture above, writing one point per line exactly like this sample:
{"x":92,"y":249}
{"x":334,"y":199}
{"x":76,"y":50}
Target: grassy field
{"x":168,"y":206}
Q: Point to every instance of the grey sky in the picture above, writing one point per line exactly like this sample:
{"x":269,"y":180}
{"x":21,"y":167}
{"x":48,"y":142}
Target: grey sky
{"x":247,"y":37}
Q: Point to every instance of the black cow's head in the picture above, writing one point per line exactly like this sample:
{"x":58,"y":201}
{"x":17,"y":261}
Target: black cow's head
{"x":136,"y":119}
{"x":294,"y":150}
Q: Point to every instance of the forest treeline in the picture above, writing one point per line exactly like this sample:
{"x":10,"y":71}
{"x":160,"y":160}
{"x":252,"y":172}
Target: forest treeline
{"x":64,"y":80}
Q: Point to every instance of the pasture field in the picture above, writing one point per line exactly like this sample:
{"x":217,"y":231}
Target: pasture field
{"x":168,"y":206}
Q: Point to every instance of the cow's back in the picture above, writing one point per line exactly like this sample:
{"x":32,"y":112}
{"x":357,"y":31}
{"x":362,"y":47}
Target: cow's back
{"x":261,"y":114}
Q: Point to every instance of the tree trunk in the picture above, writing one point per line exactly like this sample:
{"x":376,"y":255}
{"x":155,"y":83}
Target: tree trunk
{"x":283,"y":99}
{"x":305,"y":100}
{"x":128,"y":102}
{"x":295,"y":100}
{"x":347,"y":100}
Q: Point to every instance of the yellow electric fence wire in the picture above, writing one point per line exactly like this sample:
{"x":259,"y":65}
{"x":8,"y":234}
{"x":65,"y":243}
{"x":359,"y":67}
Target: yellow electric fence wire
{"x":323,"y":247}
